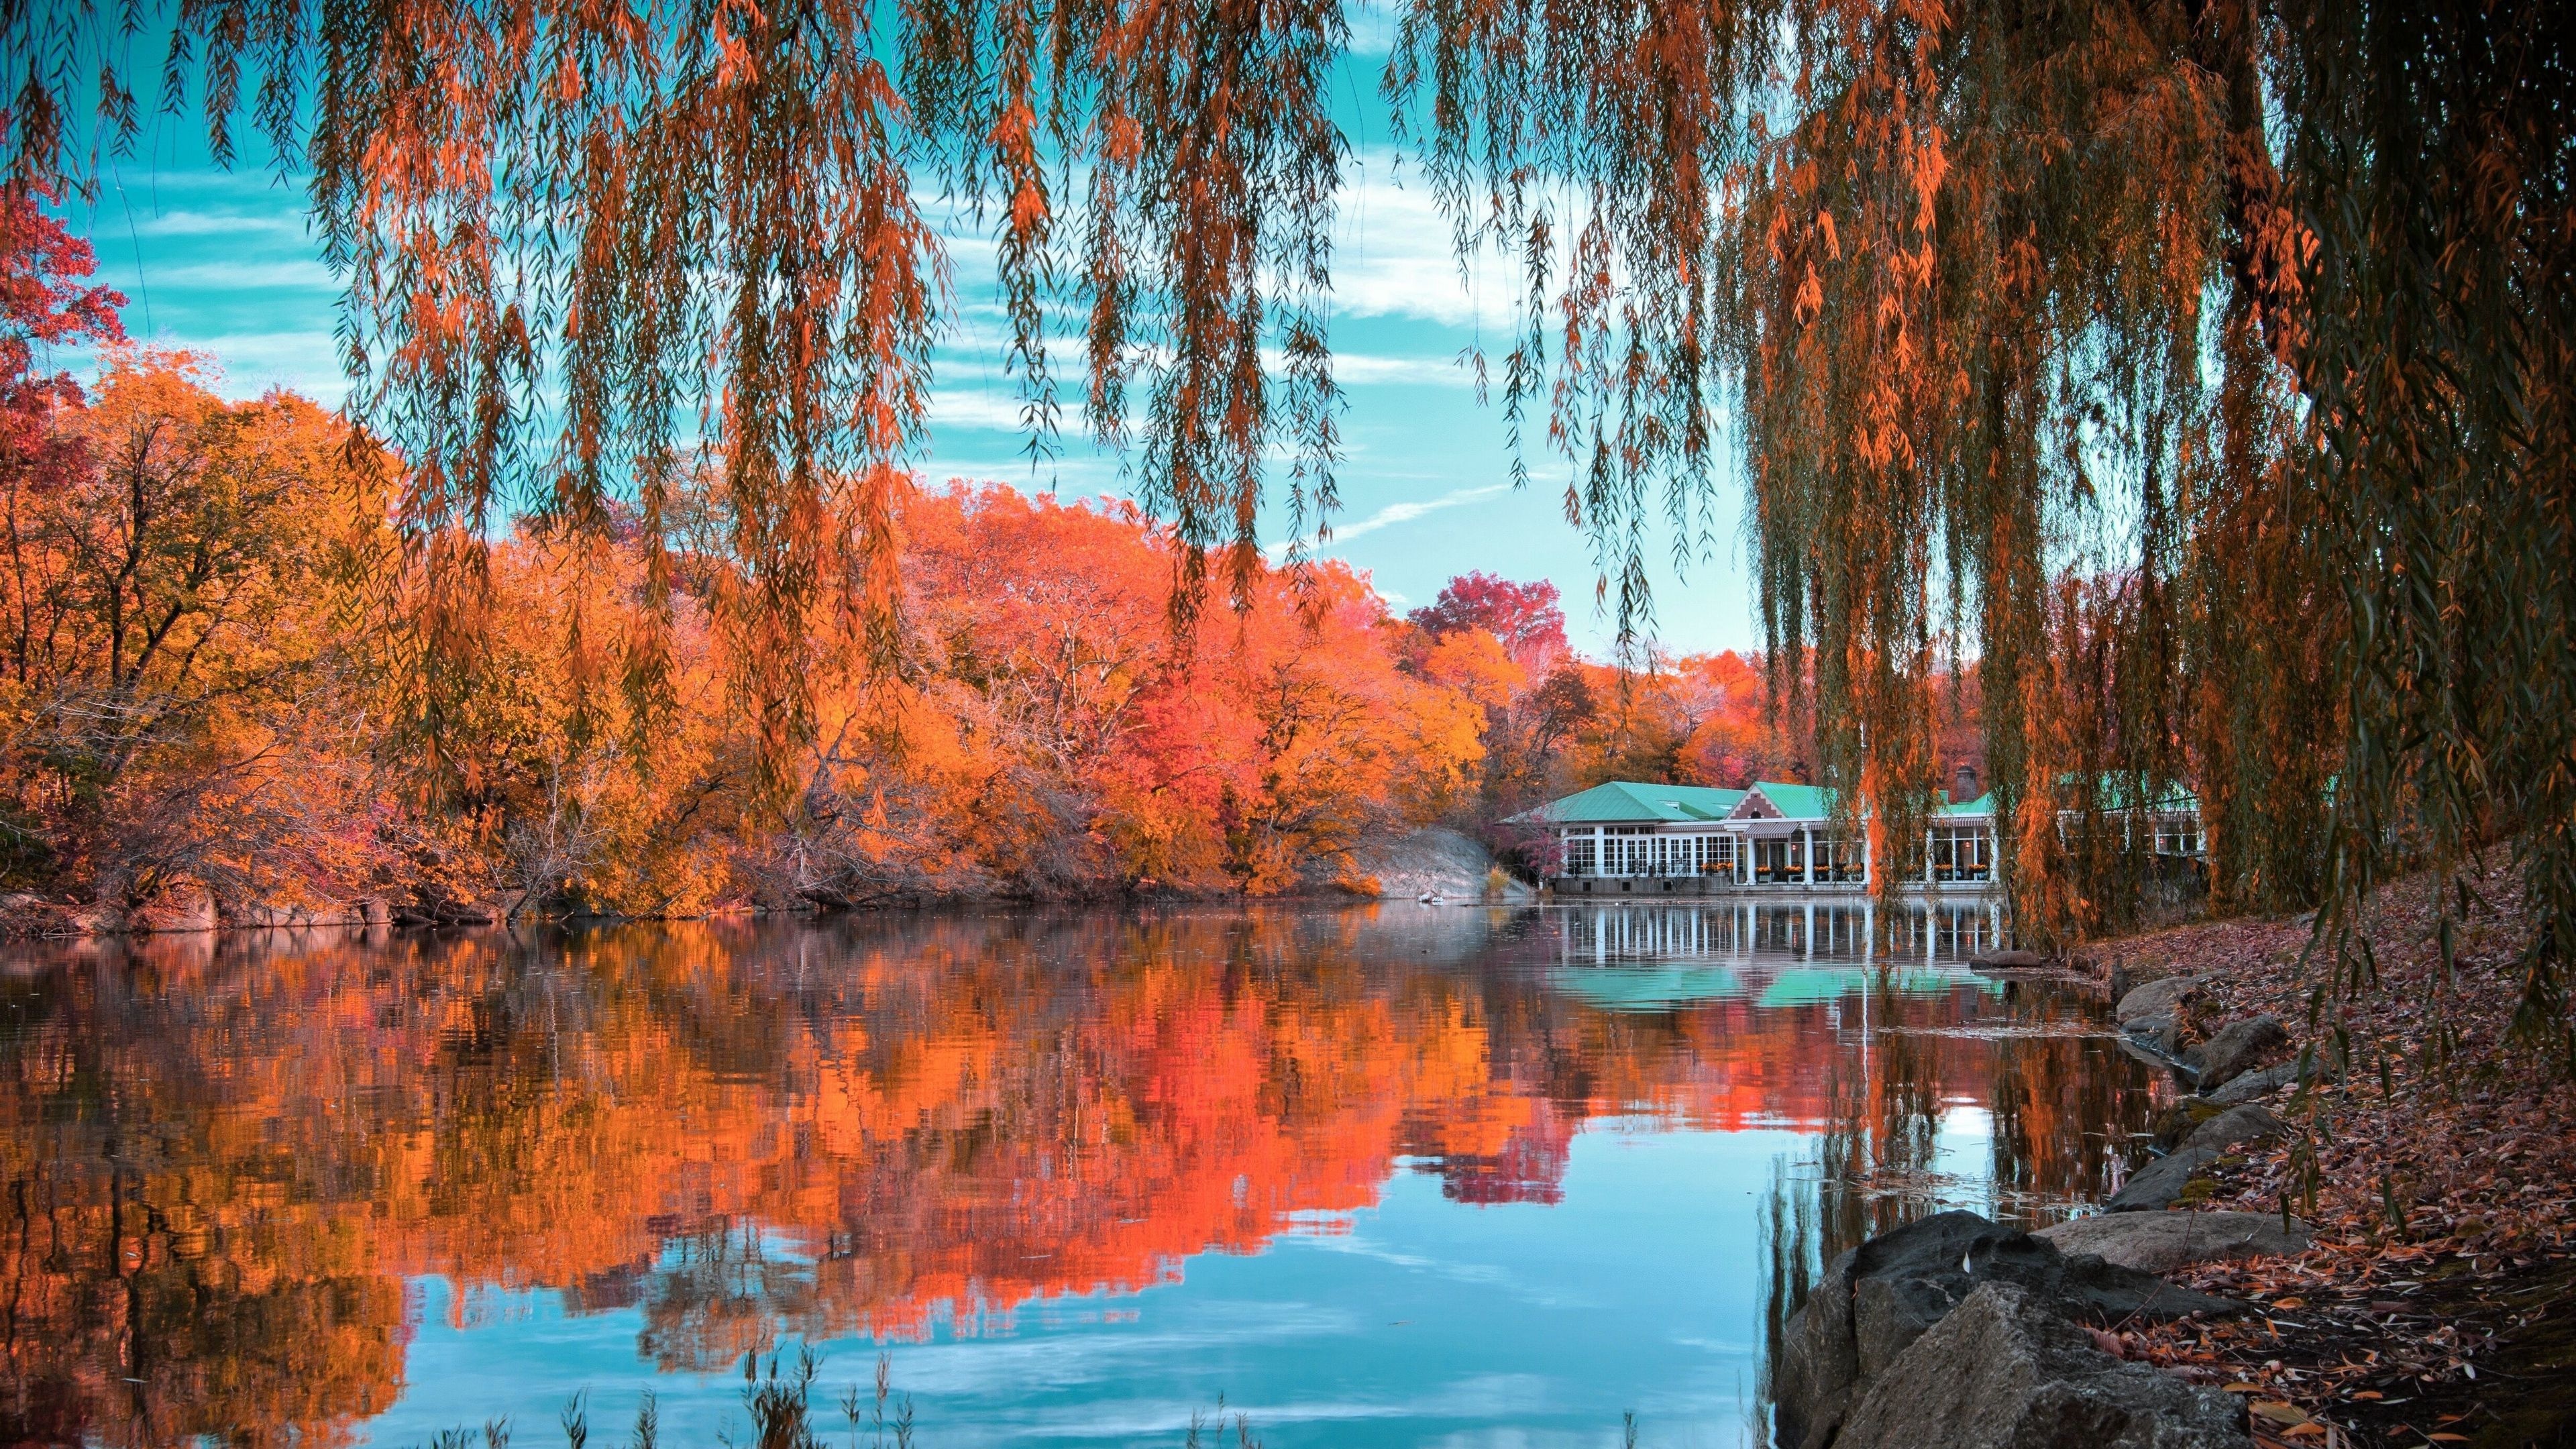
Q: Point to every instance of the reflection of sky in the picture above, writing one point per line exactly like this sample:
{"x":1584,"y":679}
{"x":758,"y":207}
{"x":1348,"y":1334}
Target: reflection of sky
{"x":222,"y":263}
{"x":1433,"y":1322}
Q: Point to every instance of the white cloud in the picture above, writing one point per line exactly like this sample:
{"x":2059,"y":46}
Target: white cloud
{"x":997,"y":409}
{"x":253,"y":362}
{"x":1360,"y":369}
{"x":186,"y":222}
{"x":245,"y":276}
{"x":1392,"y":514}
{"x":1394,"y":257}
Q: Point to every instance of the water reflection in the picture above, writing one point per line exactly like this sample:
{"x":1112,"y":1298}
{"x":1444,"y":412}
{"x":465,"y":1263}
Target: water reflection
{"x":244,"y":1182}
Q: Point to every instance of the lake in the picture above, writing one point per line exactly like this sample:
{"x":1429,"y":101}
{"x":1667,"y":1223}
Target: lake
{"x":1370,"y":1176}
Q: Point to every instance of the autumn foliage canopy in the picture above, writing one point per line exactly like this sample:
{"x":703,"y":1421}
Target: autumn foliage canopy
{"x":217,"y":689}
{"x":2195,"y":369}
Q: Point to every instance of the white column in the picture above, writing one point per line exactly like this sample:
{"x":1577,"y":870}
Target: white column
{"x":1808,"y":834}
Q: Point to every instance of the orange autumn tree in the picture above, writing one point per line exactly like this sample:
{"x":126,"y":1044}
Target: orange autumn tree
{"x":177,"y":707}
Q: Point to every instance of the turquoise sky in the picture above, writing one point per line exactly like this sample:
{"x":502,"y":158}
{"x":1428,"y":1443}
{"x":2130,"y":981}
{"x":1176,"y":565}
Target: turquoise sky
{"x":222,"y":262}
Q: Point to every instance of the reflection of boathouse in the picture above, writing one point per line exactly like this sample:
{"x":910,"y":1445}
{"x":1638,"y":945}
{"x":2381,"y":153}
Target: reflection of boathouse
{"x":1845,"y":932}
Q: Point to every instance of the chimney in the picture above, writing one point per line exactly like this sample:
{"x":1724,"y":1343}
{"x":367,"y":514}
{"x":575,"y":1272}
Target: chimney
{"x":1963,"y":786}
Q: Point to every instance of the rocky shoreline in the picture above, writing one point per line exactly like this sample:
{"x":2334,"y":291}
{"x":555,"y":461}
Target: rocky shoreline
{"x":1954,"y":1330}
{"x":2355,"y":1235}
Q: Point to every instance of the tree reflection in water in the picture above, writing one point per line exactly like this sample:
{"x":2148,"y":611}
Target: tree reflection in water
{"x":224,"y":1165}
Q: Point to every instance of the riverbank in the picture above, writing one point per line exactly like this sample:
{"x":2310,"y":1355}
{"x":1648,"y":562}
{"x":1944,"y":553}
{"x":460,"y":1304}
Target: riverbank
{"x":2356,"y":1229}
{"x":2435,"y":1166}
{"x":1434,"y":861}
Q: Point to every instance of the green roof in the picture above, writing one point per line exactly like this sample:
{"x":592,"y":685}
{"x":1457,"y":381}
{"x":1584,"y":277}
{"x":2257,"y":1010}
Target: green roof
{"x":1629,"y":800}
{"x":1797,"y":802}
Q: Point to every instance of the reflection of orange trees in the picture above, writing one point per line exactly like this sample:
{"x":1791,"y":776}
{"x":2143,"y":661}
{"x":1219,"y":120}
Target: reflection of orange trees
{"x":740,"y":1131}
{"x":167,"y":1270}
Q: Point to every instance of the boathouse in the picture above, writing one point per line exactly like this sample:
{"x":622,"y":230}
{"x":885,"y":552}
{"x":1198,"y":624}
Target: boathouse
{"x":1628,"y":837}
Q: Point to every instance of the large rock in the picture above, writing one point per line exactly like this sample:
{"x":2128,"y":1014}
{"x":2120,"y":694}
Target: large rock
{"x":2251,"y":1122}
{"x":2160,"y":1184}
{"x":2160,"y":1242}
{"x":2179,"y":1119}
{"x":1875,"y":1300}
{"x":2153,"y":1012}
{"x":292,"y":915}
{"x":2238,"y":1048}
{"x":1433,"y":861}
{"x":2254,"y":1084}
{"x":186,"y":906}
{"x":2003,"y":1371}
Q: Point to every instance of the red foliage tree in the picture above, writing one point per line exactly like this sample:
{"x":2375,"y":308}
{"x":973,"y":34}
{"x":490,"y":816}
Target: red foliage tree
{"x":1525,"y":617}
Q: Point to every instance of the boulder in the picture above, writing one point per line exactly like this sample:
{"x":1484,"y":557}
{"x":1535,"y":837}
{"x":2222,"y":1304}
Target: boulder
{"x":2250,"y":1122}
{"x":2004,"y":1371}
{"x":1874,"y":1301}
{"x":2160,"y":1242}
{"x":2259,"y":1083}
{"x":2238,"y":1048}
{"x":2010,"y":961}
{"x":186,"y":906}
{"x":291,"y":915}
{"x":1432,"y":861}
{"x":2153,"y":1012}
{"x":2160,"y":1184}
{"x":443,"y":910}
{"x":2182,"y":1118}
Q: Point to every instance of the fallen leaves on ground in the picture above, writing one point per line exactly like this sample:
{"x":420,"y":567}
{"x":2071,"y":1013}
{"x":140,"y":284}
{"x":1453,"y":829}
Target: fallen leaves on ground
{"x":2437,"y":1175}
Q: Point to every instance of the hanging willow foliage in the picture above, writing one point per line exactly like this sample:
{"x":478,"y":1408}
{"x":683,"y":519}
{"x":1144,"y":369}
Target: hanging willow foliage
{"x":2235,"y":472}
{"x":568,"y":228}
{"x":2194,"y":370}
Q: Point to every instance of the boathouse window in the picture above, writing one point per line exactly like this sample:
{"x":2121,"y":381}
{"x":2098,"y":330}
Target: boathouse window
{"x":2179,"y":836}
{"x":1962,"y":852}
{"x":1838,"y":858}
{"x":1579,"y":859}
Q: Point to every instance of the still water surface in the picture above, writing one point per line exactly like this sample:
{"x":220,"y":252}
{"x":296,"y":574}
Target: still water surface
{"x":1393,"y":1175}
